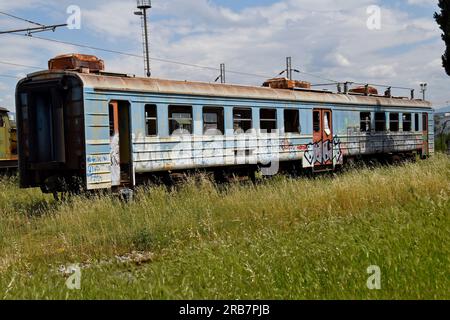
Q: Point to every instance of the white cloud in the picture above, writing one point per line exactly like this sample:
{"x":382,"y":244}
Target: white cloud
{"x":115,"y":19}
{"x":380,"y":71}
{"x":20,"y":4}
{"x":423,"y":2}
{"x":337,"y":60}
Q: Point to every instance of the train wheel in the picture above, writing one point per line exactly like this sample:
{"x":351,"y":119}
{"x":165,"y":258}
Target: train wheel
{"x":219,"y":177}
{"x":126,"y":195}
{"x":60,"y":196}
{"x":252,"y":175}
{"x":396,"y":159}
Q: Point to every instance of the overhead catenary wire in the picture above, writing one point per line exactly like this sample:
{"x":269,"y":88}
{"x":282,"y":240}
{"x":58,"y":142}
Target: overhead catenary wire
{"x":30,"y":31}
{"x":163,"y":60}
{"x":335,"y":82}
{"x":9,"y":76}
{"x":140,"y":56}
{"x":319,"y":77}
{"x":381,"y":85}
{"x":20,"y":65}
{"x":40,"y":27}
{"x":22,"y":19}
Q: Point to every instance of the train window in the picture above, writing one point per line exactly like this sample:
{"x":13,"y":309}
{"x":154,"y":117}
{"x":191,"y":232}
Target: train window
{"x":380,"y":121}
{"x":180,"y":120}
{"x":242,"y":119}
{"x":416,"y":122}
{"x":268,"y":118}
{"x":424,"y":122}
{"x":393,"y":122}
{"x":213,"y":121}
{"x":2,"y":123}
{"x":111,"y":120}
{"x":407,"y":122}
{"x":316,"y":121}
{"x":365,"y":121}
{"x":327,"y":122}
{"x":291,"y":121}
{"x":151,"y":120}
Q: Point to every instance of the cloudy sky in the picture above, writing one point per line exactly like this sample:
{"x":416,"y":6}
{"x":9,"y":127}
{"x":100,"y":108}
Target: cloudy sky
{"x":326,"y":38}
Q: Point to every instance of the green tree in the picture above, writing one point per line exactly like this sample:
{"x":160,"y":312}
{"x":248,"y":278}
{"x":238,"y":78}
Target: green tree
{"x":443,"y":20}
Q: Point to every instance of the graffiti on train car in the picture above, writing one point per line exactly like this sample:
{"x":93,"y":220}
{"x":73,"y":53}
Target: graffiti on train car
{"x":267,"y":149}
{"x":97,"y":167}
{"x":373,"y":143}
{"x":185,"y":150}
{"x":288,"y":146}
{"x":338,"y":155}
{"x":323,"y":152}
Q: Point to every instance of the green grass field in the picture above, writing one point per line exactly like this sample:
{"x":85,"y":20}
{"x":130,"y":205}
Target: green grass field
{"x":281,"y":239}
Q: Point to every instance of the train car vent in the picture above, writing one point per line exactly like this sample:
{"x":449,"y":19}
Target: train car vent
{"x":77,"y":62}
{"x":284,"y":83}
{"x":367,"y":90}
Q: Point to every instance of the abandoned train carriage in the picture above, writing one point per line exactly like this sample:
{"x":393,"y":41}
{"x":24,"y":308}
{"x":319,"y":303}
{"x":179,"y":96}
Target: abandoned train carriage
{"x":108,"y":130}
{"x":8,"y":141}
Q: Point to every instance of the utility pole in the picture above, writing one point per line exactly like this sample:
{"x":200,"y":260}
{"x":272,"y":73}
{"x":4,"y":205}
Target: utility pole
{"x":143,"y":6}
{"x":289,"y":68}
{"x":222,"y":74}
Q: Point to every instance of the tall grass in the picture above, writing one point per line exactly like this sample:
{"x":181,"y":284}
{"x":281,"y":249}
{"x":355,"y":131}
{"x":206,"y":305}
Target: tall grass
{"x":283,"y":238}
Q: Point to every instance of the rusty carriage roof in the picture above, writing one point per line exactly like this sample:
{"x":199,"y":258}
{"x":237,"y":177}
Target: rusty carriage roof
{"x":109,"y":82}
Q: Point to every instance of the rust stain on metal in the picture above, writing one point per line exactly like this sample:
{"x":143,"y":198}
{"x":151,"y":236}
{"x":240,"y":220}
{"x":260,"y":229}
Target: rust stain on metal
{"x":284,"y":83}
{"x":76,"y":62}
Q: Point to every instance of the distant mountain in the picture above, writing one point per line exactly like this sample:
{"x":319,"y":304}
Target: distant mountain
{"x":443,"y":110}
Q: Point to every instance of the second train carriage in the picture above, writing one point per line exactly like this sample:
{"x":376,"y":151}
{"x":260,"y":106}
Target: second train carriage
{"x":104,"y":131}
{"x":8,"y":141}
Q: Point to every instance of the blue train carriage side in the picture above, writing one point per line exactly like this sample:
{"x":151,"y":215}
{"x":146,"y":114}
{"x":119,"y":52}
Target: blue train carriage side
{"x":89,"y":128}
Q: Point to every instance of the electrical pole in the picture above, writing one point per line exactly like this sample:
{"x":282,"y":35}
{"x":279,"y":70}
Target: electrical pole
{"x":143,"y":6}
{"x":289,"y":68}
{"x":222,"y":74}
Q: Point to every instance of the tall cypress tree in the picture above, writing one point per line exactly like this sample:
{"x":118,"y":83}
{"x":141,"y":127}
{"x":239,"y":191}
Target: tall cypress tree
{"x":443,"y":19}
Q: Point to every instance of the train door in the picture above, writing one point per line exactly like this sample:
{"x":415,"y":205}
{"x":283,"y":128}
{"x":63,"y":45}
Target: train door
{"x":323,"y":139}
{"x":425,"y":150}
{"x":120,"y":142}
